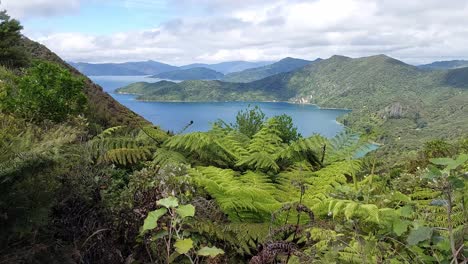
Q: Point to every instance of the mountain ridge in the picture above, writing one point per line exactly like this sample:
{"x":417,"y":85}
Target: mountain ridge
{"x":284,"y":65}
{"x":197,"y":73}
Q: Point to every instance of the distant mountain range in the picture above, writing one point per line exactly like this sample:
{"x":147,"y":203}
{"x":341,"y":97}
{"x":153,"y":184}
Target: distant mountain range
{"x":402,"y":103}
{"x":445,"y":65}
{"x":197,"y":73}
{"x":126,"y":68}
{"x":284,"y":65}
{"x":154,"y":67}
{"x":228,"y":67}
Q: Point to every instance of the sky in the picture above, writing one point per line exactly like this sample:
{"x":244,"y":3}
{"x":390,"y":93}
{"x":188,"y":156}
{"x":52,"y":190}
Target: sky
{"x":209,"y":31}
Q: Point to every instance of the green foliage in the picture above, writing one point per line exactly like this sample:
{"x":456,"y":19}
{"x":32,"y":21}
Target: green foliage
{"x":11,"y":54}
{"x":171,"y":230}
{"x":46,"y":92}
{"x":127,"y":146}
{"x":249,"y":121}
{"x":288,"y":132}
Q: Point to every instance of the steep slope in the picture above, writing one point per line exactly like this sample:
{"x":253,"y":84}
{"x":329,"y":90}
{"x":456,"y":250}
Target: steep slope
{"x":228,"y":66}
{"x":445,"y":65}
{"x":127,"y":68}
{"x":198,"y":73}
{"x":103,"y":109}
{"x":284,"y":65}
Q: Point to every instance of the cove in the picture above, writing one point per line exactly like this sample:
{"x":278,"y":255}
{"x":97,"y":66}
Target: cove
{"x":174,"y":116}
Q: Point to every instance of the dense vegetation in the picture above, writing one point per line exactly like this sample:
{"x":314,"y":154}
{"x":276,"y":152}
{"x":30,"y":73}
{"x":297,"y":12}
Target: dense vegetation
{"x":197,"y":73}
{"x":284,"y":65}
{"x":250,"y":192}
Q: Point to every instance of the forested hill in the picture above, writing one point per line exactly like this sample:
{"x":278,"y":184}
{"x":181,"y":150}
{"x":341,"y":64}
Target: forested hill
{"x":387,"y":96}
{"x":103,"y":109}
{"x":284,"y":65}
{"x":198,"y":73}
{"x":443,"y":65}
{"x":126,"y":68}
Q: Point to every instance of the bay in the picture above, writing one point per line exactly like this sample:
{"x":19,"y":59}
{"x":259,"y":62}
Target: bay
{"x":175,"y":116}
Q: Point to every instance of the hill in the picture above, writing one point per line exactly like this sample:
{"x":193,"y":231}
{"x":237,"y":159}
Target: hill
{"x":103,"y":109}
{"x":127,"y":68}
{"x":228,"y":66}
{"x":398,"y":104}
{"x":444,"y":65}
{"x":198,"y":73}
{"x":284,"y":65}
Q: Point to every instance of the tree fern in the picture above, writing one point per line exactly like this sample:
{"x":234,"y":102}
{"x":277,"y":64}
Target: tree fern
{"x":243,"y":197}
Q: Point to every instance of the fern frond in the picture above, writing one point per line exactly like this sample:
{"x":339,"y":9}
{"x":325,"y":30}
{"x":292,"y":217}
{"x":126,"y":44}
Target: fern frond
{"x":125,"y":156}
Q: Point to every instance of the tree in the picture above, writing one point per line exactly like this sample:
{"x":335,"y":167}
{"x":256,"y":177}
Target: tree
{"x":249,"y":121}
{"x":47,"y":91}
{"x":11,"y":54}
{"x":288,"y":132}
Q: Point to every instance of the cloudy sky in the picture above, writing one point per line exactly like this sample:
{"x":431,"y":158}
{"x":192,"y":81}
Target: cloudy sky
{"x":186,"y":31}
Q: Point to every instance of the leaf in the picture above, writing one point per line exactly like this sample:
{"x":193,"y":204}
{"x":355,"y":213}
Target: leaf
{"x":210,"y":252}
{"x":400,"y":226}
{"x":183,"y":245}
{"x":419,"y":234}
{"x":406,"y":211}
{"x":442,"y":161}
{"x":349,"y":210}
{"x":169,"y":202}
{"x":185,"y":210}
{"x":151,"y":221}
{"x":456,"y":182}
{"x":159,"y":234}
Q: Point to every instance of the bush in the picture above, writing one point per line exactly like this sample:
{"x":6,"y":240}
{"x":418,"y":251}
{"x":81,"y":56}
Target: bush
{"x":46,"y":92}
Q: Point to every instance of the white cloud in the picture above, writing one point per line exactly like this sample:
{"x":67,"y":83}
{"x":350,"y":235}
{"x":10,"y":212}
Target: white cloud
{"x":415,"y":31}
{"x":29,"y":8}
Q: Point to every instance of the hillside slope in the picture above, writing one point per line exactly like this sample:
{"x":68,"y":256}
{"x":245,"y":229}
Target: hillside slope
{"x":284,"y":65}
{"x":103,"y":109}
{"x":198,"y":73}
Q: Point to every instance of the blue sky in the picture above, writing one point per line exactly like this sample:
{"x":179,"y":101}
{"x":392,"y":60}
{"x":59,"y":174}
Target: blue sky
{"x":188,"y":31}
{"x":104,"y":17}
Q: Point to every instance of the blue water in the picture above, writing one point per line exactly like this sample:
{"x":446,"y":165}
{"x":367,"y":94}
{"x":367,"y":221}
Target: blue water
{"x":309,"y":119}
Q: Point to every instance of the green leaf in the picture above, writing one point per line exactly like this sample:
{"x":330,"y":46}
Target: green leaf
{"x":419,"y":234}
{"x":400,"y":226}
{"x":185,"y":210}
{"x":151,"y":221}
{"x":169,"y":202}
{"x":349,"y":210}
{"x":442,"y":161}
{"x":183,"y":245}
{"x":159,"y":234}
{"x":456,"y":182}
{"x":210,"y":252}
{"x":406,"y":211}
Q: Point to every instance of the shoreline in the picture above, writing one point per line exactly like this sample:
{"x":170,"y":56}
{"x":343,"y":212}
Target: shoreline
{"x":287,"y":102}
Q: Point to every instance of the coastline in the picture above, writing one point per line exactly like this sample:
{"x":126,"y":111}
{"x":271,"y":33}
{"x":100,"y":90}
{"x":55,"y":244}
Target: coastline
{"x":240,"y":101}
